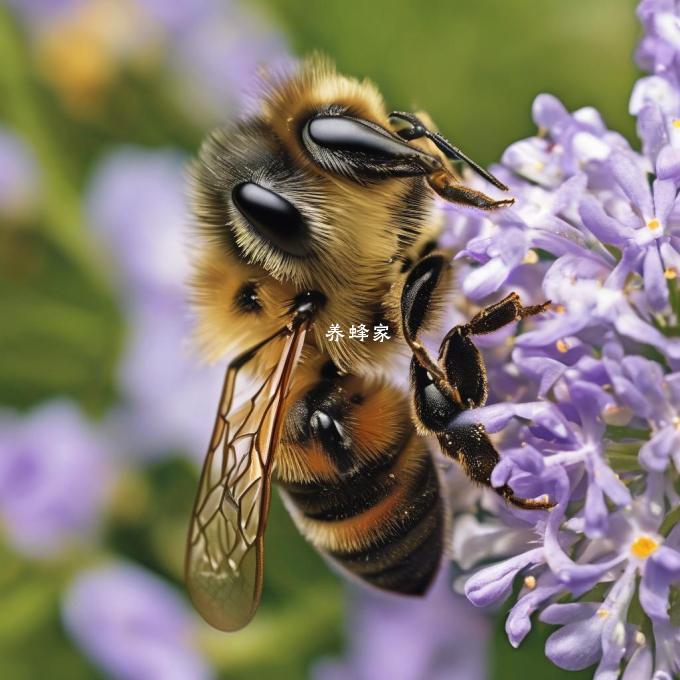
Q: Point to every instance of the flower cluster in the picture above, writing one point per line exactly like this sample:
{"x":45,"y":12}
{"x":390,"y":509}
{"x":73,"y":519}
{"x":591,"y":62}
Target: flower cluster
{"x":596,"y":225}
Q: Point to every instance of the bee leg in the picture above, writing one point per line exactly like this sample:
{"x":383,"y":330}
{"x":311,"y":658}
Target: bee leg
{"x":457,"y":381}
{"x":460,"y":358}
{"x":471,"y":447}
{"x":446,"y":186}
{"x":417,"y":295}
{"x":464,"y":368}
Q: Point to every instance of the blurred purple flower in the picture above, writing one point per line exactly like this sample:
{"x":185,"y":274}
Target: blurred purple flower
{"x":54,"y":475}
{"x":170,"y":397}
{"x":439,"y":637}
{"x":178,"y":16}
{"x":19,"y":179}
{"x":135,"y":205}
{"x":40,"y":11}
{"x":216,"y":60}
{"x":133,"y":625}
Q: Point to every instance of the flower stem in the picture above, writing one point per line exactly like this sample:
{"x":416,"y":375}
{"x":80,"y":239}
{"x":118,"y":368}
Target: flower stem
{"x":670,"y":520}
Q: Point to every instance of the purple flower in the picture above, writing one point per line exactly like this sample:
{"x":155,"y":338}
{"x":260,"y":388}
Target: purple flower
{"x":40,"y":11}
{"x":19,"y":180}
{"x":589,"y":412}
{"x":599,"y":632}
{"x":643,"y":226}
{"x":135,"y":204}
{"x":169,"y":397}
{"x":133,"y":625}
{"x":215,"y":61}
{"x":439,"y":637}
{"x":54,"y":476}
{"x":655,"y":399}
{"x":136,"y":207}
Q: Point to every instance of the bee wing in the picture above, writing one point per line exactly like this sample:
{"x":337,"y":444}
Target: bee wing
{"x":224,"y":558}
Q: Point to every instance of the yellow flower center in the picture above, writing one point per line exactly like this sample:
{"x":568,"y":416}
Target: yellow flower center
{"x":670,"y":273}
{"x":562,"y":346}
{"x":643,"y":546}
{"x":676,"y":122}
{"x":653,"y":224}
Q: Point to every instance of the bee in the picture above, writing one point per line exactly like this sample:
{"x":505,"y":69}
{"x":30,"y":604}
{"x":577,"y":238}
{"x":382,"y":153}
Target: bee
{"x":320,"y":207}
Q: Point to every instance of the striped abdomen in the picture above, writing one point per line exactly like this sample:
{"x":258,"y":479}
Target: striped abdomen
{"x":362,"y":484}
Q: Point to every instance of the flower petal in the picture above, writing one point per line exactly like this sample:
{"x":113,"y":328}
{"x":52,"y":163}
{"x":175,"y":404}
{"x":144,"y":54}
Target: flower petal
{"x":656,"y":287}
{"x":494,"y":583}
{"x":603,"y":227}
{"x":633,"y":180}
{"x":668,"y":163}
{"x":576,"y":645}
{"x":640,"y":665}
{"x":518,"y":623}
{"x":496,"y":417}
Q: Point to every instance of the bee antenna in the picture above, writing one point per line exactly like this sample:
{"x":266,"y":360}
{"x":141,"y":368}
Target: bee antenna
{"x":454,"y":153}
{"x":408,"y":126}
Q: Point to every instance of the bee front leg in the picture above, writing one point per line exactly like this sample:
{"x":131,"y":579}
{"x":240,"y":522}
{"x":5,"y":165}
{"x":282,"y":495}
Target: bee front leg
{"x":462,"y":361}
{"x":458,"y":380}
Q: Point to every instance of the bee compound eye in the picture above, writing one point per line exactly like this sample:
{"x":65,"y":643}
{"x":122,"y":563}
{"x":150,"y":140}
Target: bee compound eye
{"x":347,"y":135}
{"x":272,"y":217}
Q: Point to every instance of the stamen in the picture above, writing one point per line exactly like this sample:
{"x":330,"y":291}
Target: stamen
{"x":670,"y":273}
{"x":602,"y":613}
{"x":530,"y":582}
{"x":653,"y":224}
{"x":560,"y":309}
{"x":531,"y":257}
{"x":676,"y":122}
{"x":617,"y":415}
{"x":643,"y":546}
{"x":562,"y":346}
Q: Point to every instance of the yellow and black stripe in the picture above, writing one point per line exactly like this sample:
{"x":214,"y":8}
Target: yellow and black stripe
{"x":363,"y":485}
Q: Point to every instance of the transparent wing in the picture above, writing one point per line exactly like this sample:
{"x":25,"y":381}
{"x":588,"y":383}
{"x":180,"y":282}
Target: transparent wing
{"x":224,"y":557}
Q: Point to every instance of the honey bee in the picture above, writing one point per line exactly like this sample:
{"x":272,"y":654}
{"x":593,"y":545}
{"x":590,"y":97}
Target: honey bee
{"x":321,"y":208}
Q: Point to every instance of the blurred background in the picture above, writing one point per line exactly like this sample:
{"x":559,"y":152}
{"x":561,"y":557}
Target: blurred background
{"x":105,"y":411}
